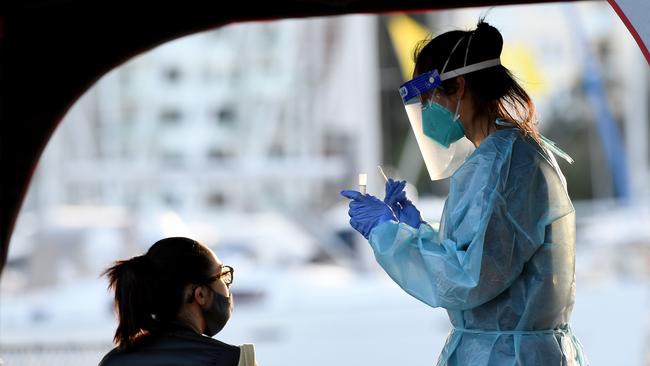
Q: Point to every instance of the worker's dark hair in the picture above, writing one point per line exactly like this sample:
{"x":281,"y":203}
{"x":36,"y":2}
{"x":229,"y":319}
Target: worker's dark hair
{"x":149,"y":289}
{"x":496,"y":92}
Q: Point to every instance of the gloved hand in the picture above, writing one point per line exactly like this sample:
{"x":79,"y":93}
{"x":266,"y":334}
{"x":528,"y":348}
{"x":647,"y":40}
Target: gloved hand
{"x":404,"y":209}
{"x":394,"y":194}
{"x":366,"y":211}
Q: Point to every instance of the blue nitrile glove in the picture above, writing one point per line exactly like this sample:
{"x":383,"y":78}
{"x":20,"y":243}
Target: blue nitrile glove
{"x":404,"y":209}
{"x":394,"y":194}
{"x":366,"y":211}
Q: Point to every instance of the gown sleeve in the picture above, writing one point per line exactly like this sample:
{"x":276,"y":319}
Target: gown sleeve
{"x":493,"y":222}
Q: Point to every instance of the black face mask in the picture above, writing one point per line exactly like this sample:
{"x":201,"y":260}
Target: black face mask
{"x":217,"y":315}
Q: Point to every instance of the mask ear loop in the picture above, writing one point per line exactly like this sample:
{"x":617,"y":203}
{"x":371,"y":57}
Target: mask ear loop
{"x":457,"y":114}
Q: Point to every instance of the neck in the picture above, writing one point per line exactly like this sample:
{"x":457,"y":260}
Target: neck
{"x":191,"y":319}
{"x":479,"y":128}
{"x":477,"y":125}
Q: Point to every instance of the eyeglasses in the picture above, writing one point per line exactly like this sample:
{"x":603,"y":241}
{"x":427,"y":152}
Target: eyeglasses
{"x":227,"y":273}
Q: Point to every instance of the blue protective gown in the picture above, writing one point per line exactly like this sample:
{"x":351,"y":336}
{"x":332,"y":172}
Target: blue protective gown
{"x":503,"y":261}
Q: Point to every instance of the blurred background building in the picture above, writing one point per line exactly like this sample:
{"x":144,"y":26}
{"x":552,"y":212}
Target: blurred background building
{"x":242,"y":138}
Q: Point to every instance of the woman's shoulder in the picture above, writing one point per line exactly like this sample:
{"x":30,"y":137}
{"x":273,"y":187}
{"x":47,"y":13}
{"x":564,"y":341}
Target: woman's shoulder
{"x":180,"y":348}
{"x":182,"y":334}
{"x":109,"y":359}
{"x":494,"y":150}
{"x":502,"y":156}
{"x":514,"y":147}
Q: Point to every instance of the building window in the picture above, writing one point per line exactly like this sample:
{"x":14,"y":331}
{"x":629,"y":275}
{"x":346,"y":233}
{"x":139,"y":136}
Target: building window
{"x":171,"y":116}
{"x":172,"y":158}
{"x":172,"y":74}
{"x":336,"y":144}
{"x":170,"y":199}
{"x":225,"y":116}
{"x":219,"y":154}
{"x":216,"y":199}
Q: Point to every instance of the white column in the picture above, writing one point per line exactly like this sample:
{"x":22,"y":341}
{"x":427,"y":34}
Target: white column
{"x":366,"y":93}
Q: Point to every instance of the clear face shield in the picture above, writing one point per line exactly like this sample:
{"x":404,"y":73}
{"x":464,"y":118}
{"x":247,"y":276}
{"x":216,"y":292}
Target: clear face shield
{"x":440,"y":138}
{"x":439,"y":132}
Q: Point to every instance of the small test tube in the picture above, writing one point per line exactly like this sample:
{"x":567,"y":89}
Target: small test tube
{"x":363,"y":183}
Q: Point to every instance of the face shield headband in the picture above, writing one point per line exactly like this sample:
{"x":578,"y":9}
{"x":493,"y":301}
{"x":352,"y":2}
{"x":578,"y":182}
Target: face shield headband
{"x":439,"y":133}
{"x":430,"y":80}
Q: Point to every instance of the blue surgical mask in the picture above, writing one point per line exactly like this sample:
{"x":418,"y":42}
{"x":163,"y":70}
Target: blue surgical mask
{"x":439,"y":124}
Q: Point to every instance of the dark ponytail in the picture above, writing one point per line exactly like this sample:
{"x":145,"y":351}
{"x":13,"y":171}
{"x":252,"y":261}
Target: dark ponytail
{"x":149,"y":289}
{"x":496,"y":92}
{"x":131,"y":281}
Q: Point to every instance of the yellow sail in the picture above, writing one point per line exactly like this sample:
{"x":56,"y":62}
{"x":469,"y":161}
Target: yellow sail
{"x":405,"y":33}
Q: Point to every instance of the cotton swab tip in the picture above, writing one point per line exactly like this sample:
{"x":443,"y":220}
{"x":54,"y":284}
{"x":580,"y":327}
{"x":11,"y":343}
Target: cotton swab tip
{"x":382,"y":173}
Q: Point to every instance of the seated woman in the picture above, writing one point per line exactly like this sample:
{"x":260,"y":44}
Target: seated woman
{"x":170,"y":302}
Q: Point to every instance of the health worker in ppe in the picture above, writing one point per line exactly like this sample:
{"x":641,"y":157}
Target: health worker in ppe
{"x":502,"y":262}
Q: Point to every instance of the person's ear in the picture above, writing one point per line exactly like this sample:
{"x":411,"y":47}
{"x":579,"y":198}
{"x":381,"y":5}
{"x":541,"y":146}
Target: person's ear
{"x":200,"y":295}
{"x":197,"y":295}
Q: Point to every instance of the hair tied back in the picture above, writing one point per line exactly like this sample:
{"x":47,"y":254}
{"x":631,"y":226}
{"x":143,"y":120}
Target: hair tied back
{"x":490,"y":37}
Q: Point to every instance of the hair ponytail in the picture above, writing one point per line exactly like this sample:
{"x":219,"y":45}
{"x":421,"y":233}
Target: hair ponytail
{"x":499,"y":94}
{"x":130,"y":280}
